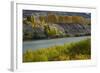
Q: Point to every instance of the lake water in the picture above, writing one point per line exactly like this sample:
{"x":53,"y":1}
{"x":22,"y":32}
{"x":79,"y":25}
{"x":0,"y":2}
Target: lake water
{"x":51,"y":42}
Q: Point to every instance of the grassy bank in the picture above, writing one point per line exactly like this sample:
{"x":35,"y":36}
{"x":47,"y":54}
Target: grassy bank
{"x":72,"y":51}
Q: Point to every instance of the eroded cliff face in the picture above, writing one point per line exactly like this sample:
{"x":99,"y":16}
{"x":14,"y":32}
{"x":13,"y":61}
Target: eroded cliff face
{"x":55,"y":31}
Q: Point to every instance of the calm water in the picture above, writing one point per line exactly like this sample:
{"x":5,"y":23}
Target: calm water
{"x":47,"y":43}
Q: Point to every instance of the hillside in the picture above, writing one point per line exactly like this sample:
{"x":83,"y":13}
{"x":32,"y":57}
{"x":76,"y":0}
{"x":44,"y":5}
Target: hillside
{"x":44,"y":25}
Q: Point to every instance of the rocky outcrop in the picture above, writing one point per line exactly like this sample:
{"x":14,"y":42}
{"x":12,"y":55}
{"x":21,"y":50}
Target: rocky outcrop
{"x":76,"y":29}
{"x":55,"y":31}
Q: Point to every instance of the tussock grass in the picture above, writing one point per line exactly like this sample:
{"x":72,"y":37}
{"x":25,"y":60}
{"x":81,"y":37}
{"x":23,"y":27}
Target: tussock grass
{"x":72,"y":51}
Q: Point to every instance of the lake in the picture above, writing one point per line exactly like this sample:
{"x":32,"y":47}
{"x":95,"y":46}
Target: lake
{"x":36,"y":44}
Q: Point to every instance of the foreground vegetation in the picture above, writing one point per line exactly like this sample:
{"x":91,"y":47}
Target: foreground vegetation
{"x":72,"y":51}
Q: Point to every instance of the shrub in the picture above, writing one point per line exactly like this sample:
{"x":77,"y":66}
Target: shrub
{"x":28,"y":56}
{"x":71,"y":51}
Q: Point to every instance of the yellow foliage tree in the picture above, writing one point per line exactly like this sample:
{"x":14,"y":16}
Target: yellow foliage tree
{"x":42,"y":18}
{"x":60,"y":19}
{"x":51,"y":18}
{"x":78,"y":19}
{"x":67,"y":19}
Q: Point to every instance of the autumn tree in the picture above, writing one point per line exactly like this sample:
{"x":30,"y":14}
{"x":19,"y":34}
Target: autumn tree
{"x":88,"y":21}
{"x":60,"y":19}
{"x":51,"y":18}
{"x":42,"y":18}
{"x":67,"y":19}
{"x":78,"y":19}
